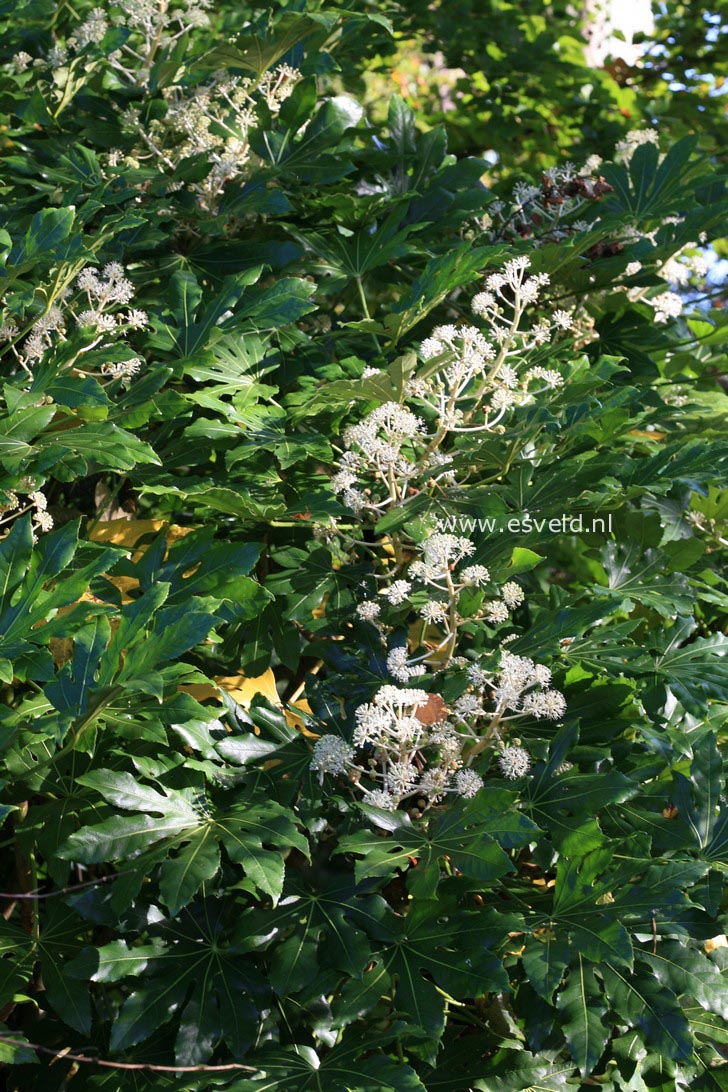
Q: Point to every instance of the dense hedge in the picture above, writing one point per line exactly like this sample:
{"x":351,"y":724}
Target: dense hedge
{"x":360,"y":628}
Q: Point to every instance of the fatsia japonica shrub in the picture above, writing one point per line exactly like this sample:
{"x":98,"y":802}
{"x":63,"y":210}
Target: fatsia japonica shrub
{"x":361,"y":599}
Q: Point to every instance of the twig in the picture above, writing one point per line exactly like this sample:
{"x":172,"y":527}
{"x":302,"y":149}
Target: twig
{"x":63,"y":1054}
{"x":61,"y":890}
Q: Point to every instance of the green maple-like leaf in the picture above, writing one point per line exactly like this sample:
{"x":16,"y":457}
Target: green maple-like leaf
{"x":170,"y":830}
{"x":354,"y":1064}
{"x":197,"y":958}
{"x":473,"y":835}
{"x":452,"y":949}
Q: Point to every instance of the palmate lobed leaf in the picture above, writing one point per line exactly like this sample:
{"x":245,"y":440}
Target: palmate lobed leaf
{"x":471,"y":835}
{"x":319,"y":925}
{"x":697,"y":672}
{"x":545,"y":960}
{"x":184,"y":838}
{"x":232,"y":907}
{"x":688,"y":972}
{"x":193,"y":950}
{"x":352,"y":1064}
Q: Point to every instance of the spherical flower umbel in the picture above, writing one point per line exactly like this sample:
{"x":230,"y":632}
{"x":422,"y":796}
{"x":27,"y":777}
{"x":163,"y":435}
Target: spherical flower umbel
{"x":667,"y":305}
{"x":496,"y":612}
{"x":402,"y":777}
{"x":482,"y":302}
{"x":433,"y":611}
{"x":444,"y":549}
{"x":373,"y":725}
{"x":512,"y":594}
{"x":94,"y":28}
{"x":467,"y":783}
{"x":97,"y":319}
{"x":397,"y":592}
{"x":380,"y":798}
{"x":549,"y":704}
{"x":550,"y":376}
{"x":396,"y":423}
{"x":514,"y":762}
{"x":21,"y":61}
{"x":627,"y":147}
{"x":432,"y":346}
{"x":399,"y":667}
{"x":434,"y":782}
{"x":468,"y":705}
{"x":368,"y":611}
{"x":395,"y":697}
{"x":476,"y":575}
{"x":136,"y":319}
{"x":331,"y":754}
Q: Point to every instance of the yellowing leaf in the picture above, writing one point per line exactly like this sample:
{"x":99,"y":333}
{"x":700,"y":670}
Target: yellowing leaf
{"x":125,"y":584}
{"x":127,"y":532}
{"x":241,"y":688}
{"x":293,"y":720}
{"x":647,"y":435}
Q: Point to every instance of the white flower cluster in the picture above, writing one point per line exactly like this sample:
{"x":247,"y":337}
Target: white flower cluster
{"x":40,"y":338}
{"x":378,"y":449}
{"x":160,"y":19}
{"x":11,"y":502}
{"x":41,"y":515}
{"x":480,"y":375}
{"x":520,"y":687}
{"x":406,"y":743}
{"x":438,"y":568}
{"x":331,"y":754}
{"x":634,"y":140}
{"x":368,"y":610}
{"x":397,"y":754}
{"x":514,"y":762}
{"x":103,"y":291}
{"x":21,"y":61}
{"x":153,"y":28}
{"x":400,"y":667}
{"x":679,"y":269}
{"x":125,"y":370}
{"x":465,"y":355}
{"x":91,"y":31}
{"x":35,"y":501}
{"x":154,"y":24}
{"x":407,"y":747}
{"x":401,"y":755}
{"x":104,"y":294}
{"x":667,"y":305}
{"x":213,"y":120}
{"x":469,"y":381}
{"x":441,"y":553}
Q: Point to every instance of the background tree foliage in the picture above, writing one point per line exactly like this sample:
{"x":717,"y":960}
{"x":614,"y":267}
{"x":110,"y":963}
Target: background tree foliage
{"x":491,"y":71}
{"x":180,"y":889}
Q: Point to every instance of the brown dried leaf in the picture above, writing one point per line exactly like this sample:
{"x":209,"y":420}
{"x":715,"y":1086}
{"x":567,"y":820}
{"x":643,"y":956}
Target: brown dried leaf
{"x":433,"y":711}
